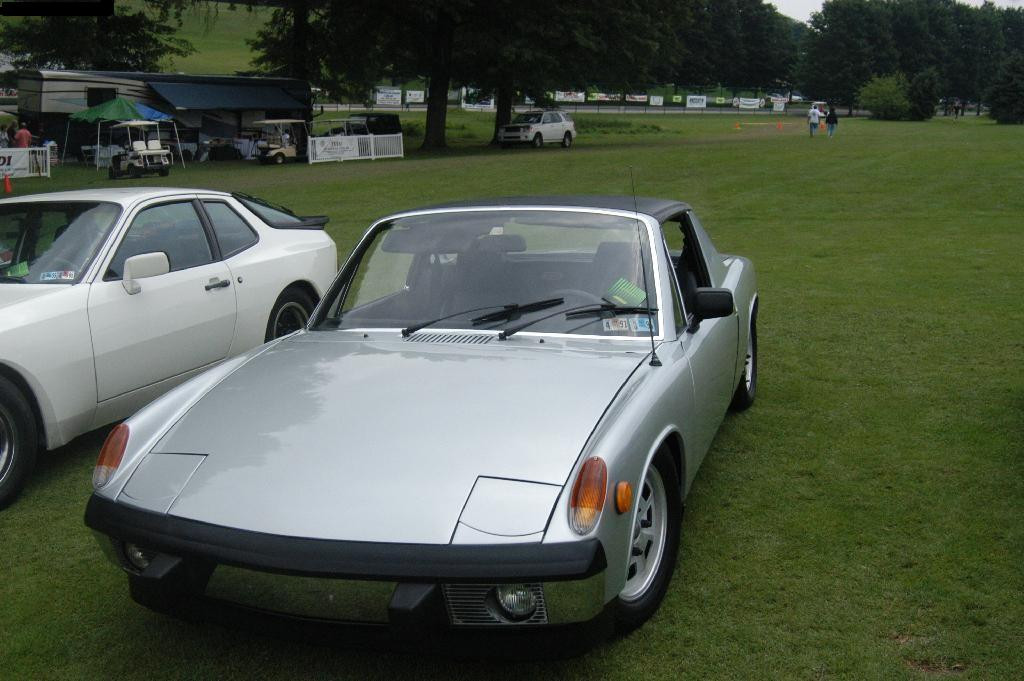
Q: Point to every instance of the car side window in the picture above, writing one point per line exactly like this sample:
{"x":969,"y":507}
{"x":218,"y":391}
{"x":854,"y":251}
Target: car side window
{"x":174,"y":229}
{"x":549,"y":118}
{"x":691,"y":272}
{"x":233,"y":233}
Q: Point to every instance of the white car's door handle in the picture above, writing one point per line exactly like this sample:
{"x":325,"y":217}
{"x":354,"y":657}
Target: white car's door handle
{"x":217,"y":283}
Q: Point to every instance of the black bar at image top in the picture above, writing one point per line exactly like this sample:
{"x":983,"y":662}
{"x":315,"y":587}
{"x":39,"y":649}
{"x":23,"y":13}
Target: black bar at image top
{"x":56,"y":8}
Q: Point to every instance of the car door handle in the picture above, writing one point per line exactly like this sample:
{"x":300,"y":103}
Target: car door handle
{"x":217,"y":283}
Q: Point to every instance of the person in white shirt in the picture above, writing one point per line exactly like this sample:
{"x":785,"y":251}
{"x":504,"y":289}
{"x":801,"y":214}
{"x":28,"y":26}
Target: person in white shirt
{"x":814,"y":118}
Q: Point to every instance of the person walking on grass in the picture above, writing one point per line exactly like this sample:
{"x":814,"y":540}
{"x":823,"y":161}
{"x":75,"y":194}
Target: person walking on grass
{"x":814,"y":118}
{"x":831,"y":121}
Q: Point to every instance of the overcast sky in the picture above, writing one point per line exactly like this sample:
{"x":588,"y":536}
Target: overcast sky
{"x":801,"y":9}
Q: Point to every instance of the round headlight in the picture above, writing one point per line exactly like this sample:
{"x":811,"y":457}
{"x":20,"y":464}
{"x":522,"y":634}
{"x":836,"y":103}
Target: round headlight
{"x":516,"y":600}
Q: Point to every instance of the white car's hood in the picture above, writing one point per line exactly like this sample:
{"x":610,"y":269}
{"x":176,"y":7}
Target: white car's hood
{"x":11,"y":294}
{"x":383,"y":441}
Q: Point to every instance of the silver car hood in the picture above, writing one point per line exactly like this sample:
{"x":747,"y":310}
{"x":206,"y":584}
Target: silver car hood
{"x":332,"y":436}
{"x":12,"y":293}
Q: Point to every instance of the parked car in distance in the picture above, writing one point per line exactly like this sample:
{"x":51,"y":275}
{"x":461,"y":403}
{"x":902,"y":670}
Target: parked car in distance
{"x":537,"y":128}
{"x":110,"y":297}
{"x":490,"y":424}
{"x":379,"y":123}
{"x":348,"y":128}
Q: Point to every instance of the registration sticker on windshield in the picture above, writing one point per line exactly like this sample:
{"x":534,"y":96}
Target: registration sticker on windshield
{"x":64,"y":275}
{"x":617,"y":324}
{"x":641,"y":325}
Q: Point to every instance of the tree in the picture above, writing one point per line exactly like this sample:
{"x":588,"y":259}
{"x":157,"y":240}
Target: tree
{"x":886,"y":97}
{"x":124,"y":41}
{"x":1006,"y":95}
{"x":923,"y":94}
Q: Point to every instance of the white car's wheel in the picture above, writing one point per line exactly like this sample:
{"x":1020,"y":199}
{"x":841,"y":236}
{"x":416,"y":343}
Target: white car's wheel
{"x":747,"y":387}
{"x":290,"y":313}
{"x":17,"y":441}
{"x":654,"y":544}
{"x":538,"y":141}
{"x":567,"y":140}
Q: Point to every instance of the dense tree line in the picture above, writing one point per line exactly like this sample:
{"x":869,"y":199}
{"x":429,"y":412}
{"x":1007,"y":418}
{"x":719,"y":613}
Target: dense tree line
{"x":851,"y":41}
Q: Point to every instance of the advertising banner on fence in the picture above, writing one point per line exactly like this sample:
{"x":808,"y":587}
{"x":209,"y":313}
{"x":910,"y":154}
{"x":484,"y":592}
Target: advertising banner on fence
{"x":31,"y":162}
{"x":636,"y":98}
{"x":657,"y":100}
{"x":570,"y":96}
{"x":389,"y":96}
{"x":696,"y":102}
{"x":677,"y":99}
{"x":414,"y":96}
{"x":603,"y":97}
{"x":779,"y":104}
{"x":334,"y":148}
{"x":744,"y":103}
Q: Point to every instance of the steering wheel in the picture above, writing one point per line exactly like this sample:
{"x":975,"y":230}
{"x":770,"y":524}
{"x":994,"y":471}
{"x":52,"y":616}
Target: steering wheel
{"x":587,"y":296}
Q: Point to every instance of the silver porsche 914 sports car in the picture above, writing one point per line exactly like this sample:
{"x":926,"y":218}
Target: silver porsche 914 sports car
{"x":491,"y":422}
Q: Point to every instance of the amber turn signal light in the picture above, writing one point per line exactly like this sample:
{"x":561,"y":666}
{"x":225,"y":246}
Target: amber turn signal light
{"x":623,"y":496}
{"x":588,"y":495}
{"x":110,"y":455}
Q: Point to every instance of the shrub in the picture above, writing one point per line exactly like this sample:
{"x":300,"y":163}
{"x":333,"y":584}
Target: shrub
{"x":923,"y":93}
{"x":1006,"y":95}
{"x":886,"y":97}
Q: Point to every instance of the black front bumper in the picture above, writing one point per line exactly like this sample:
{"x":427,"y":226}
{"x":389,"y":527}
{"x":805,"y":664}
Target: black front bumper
{"x":187,"y":552}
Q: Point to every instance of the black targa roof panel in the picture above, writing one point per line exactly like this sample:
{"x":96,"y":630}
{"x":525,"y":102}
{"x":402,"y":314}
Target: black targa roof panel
{"x":659,"y":209}
{"x":218,"y":96}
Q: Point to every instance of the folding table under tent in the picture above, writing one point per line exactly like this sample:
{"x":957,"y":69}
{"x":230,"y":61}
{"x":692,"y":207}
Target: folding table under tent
{"x":118,"y":109}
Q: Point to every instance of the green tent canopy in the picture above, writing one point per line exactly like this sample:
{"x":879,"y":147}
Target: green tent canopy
{"x":117,"y":109}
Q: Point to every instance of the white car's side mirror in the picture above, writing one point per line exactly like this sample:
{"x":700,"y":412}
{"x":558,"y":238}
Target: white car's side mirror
{"x":143,"y":266}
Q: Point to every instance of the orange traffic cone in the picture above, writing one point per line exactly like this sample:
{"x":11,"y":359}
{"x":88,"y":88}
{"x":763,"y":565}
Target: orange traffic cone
{"x":778,"y":126}
{"x":737,"y":126}
{"x":7,"y":184}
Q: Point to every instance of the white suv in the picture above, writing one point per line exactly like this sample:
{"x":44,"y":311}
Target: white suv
{"x":538,"y":127}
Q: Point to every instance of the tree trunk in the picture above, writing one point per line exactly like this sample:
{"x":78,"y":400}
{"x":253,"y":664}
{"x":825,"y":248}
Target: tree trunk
{"x":440,"y":77}
{"x":299,"y":67}
{"x":503,"y":113}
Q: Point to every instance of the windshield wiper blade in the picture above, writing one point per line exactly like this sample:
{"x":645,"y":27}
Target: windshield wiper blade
{"x":578,"y":311}
{"x":6,"y":278}
{"x":512,"y":309}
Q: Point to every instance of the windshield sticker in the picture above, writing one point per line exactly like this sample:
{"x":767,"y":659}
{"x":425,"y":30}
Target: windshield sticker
{"x":641,"y":325}
{"x":618,"y":324}
{"x":625,"y":292}
{"x":64,"y":275}
{"x":19,"y":270}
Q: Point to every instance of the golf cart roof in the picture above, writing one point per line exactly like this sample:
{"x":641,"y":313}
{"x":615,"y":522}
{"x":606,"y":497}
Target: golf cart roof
{"x":134,"y":124}
{"x":275,"y":121}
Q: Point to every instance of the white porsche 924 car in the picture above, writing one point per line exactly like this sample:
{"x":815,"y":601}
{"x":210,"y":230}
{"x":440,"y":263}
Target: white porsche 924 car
{"x":110,"y":297}
{"x":489,"y":425}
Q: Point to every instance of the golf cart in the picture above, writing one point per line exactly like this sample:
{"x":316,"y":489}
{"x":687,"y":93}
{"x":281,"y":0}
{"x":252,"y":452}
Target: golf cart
{"x":141,"y":157}
{"x":284,"y":139}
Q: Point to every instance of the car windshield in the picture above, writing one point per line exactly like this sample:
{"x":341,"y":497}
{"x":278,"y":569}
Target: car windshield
{"x":52,"y":242}
{"x":527,"y":118}
{"x":459,"y":266}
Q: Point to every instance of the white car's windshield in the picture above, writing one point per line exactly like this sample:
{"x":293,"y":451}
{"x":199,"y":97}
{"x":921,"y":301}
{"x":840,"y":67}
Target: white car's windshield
{"x":51,"y":242}
{"x":495,"y":269}
{"x":527,"y":118}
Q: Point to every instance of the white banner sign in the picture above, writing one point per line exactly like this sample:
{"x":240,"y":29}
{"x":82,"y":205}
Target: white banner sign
{"x":570,"y":96}
{"x":657,"y":100}
{"x":636,"y":98}
{"x":334,"y":148}
{"x":744,"y":103}
{"x":414,"y":96}
{"x":389,"y":96}
{"x":30,"y":162}
{"x":696,"y":102}
{"x":778,"y":106}
{"x":603,"y":97}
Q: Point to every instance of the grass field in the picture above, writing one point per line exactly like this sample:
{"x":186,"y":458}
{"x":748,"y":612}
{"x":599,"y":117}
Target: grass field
{"x":862,"y":520}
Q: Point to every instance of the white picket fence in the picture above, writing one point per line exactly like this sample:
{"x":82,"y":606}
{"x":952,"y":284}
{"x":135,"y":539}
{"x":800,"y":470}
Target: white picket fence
{"x":355,"y":147}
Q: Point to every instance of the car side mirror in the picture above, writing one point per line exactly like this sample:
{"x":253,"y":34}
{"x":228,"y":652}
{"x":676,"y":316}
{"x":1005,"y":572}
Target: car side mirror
{"x":141,"y":267}
{"x":713,"y":303}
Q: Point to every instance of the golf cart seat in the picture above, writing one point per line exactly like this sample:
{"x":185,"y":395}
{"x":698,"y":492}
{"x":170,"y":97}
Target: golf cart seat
{"x":154,"y":145}
{"x":138,"y":145}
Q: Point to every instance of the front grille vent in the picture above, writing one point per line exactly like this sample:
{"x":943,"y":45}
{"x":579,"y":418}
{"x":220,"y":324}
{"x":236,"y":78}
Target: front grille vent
{"x":472,"y":339}
{"x":473,"y":605}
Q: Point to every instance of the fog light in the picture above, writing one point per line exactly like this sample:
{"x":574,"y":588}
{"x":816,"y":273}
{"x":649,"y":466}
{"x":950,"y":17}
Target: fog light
{"x":138,"y":557}
{"x":516,"y":600}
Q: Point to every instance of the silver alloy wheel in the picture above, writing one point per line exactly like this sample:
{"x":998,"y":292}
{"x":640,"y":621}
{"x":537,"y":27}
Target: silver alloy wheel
{"x":649,"y":530}
{"x":6,"y":444}
{"x":291,"y":317}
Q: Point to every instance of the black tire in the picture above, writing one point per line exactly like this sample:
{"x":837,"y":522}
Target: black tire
{"x":278,"y":159}
{"x":538,"y":141}
{"x":746,"y":390}
{"x":18,"y":441}
{"x":638,"y":602}
{"x":290,"y":313}
{"x":135,"y":172}
{"x":567,"y":140}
